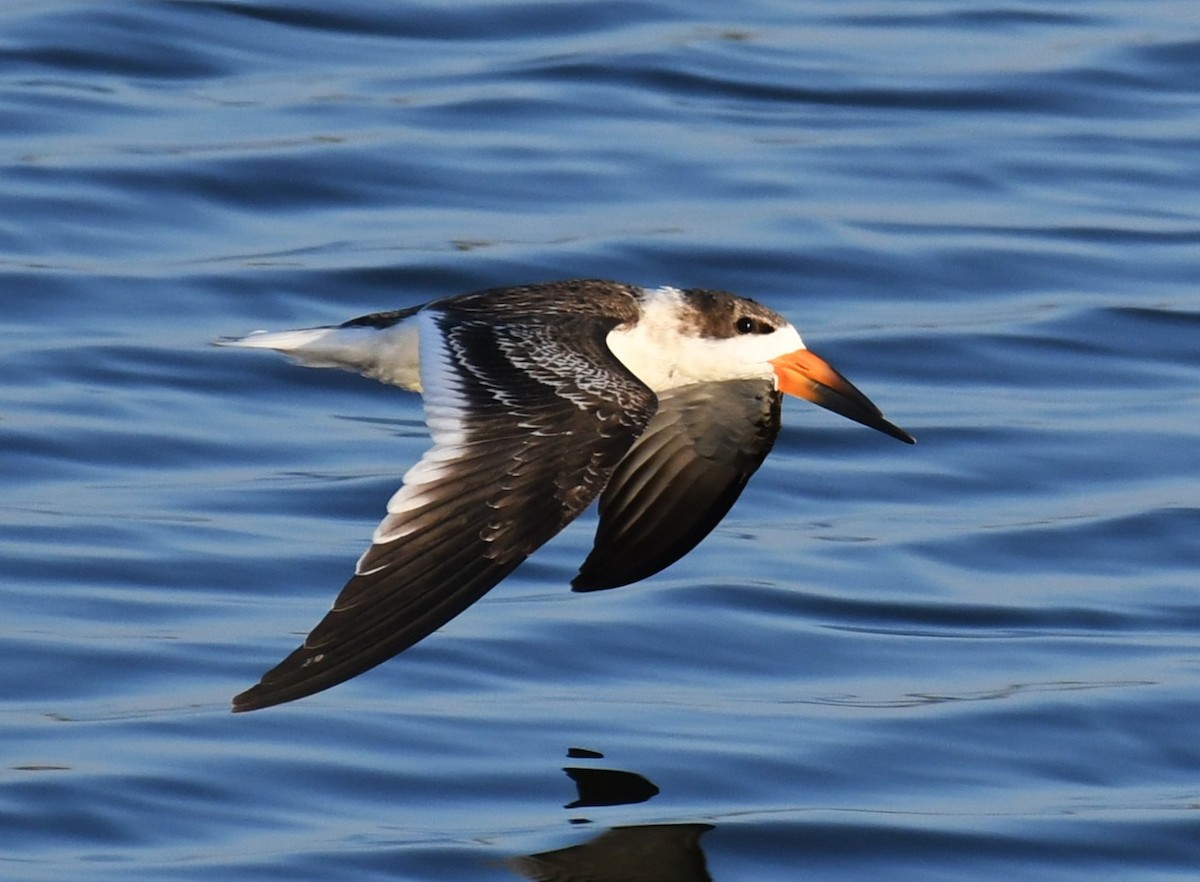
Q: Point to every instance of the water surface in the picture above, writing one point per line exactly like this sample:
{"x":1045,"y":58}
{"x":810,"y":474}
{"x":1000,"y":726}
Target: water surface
{"x":972,"y":659}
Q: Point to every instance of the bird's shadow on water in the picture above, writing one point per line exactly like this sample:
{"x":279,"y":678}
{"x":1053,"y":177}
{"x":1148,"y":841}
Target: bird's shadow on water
{"x":666,"y":851}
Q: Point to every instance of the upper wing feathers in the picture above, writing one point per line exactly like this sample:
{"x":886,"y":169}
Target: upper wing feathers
{"x":680,"y":478}
{"x":526,"y":431}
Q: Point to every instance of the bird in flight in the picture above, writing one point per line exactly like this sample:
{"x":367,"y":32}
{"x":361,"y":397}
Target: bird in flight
{"x":662,"y":402}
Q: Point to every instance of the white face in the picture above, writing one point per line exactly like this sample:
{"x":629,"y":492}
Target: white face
{"x":663,"y":356}
{"x":704,"y":359}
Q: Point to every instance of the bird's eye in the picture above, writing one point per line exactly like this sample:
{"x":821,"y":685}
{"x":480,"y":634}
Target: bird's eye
{"x":744,"y":325}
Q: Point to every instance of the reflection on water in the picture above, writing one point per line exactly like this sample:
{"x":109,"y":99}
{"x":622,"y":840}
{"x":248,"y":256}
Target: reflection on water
{"x":643,"y":853}
{"x":609,"y":787}
{"x":653,"y":853}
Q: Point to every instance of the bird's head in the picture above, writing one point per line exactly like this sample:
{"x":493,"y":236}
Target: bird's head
{"x":745,"y":339}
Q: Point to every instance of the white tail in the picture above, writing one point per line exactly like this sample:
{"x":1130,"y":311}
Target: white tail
{"x":390,"y":354}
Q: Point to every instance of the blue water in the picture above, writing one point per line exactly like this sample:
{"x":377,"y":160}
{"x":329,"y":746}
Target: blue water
{"x":976,"y":658}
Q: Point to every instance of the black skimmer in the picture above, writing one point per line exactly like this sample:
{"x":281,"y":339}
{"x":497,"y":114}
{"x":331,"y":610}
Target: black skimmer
{"x":662,"y":402}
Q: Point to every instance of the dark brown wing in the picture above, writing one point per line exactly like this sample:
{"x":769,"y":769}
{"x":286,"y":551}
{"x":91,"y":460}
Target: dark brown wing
{"x":680,"y":478}
{"x":528,"y":421}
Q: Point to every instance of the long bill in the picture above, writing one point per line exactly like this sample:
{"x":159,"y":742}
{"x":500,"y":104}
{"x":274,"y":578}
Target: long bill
{"x":808,"y":376}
